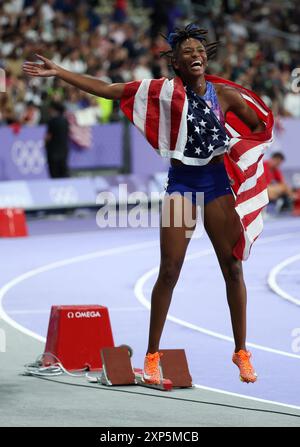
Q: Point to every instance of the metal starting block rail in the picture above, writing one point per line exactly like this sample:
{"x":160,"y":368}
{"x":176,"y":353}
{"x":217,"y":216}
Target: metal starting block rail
{"x":117,"y":369}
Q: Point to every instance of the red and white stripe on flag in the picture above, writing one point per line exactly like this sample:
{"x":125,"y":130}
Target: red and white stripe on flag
{"x":80,"y":135}
{"x":244,"y":165}
{"x":158,"y":108}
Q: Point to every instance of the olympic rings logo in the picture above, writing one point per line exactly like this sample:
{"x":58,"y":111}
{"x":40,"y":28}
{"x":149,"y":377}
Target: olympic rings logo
{"x":63,"y":195}
{"x":29,"y":156}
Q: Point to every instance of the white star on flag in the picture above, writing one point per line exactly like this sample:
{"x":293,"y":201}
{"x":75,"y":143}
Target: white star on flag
{"x":197,"y":150}
{"x":215,"y":129}
{"x":197,"y":129}
{"x":202,"y":130}
{"x":210,"y":148}
{"x":226,"y":142}
{"x":190,"y":117}
{"x":202,"y":123}
{"x":195,"y":105}
{"x":215,"y":136}
{"x":191,"y":139}
{"x":206,"y":110}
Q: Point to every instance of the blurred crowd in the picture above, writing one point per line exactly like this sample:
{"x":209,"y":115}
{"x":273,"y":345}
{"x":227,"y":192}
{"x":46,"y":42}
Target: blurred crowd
{"x":120,"y":41}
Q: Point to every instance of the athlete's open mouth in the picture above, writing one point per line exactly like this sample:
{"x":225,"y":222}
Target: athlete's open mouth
{"x":197,"y":64}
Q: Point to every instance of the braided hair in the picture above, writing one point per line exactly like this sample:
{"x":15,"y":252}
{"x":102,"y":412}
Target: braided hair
{"x":176,"y":38}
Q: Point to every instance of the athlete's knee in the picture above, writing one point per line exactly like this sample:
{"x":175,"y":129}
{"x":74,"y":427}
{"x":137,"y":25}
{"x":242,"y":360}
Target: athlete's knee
{"x":169,"y":271}
{"x":233,"y":271}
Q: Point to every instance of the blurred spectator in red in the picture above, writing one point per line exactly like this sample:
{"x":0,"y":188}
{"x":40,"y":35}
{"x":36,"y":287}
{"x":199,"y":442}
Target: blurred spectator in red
{"x":278,"y":190}
{"x":120,"y":11}
{"x":31,"y":115}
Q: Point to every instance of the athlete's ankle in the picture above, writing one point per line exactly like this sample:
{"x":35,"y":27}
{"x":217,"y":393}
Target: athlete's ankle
{"x":151,"y":351}
{"x":240,"y":348}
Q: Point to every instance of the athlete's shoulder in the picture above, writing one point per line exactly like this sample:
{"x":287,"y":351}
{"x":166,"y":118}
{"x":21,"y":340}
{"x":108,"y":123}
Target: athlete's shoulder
{"x":229,"y":94}
{"x":225,"y":89}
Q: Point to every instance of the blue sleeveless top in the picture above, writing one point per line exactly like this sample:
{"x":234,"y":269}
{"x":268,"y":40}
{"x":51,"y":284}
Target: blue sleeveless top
{"x":207,"y":135}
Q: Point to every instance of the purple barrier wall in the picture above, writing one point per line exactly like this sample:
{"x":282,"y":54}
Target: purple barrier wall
{"x":106,"y":149}
{"x":76,"y":192}
{"x":144,"y":160}
{"x":45,"y":194}
{"x":22,"y":154}
{"x":288,"y":141}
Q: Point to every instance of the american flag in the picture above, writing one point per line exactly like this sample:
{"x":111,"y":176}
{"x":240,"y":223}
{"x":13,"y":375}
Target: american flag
{"x":80,"y":135}
{"x":207,"y":137}
{"x":159,"y":107}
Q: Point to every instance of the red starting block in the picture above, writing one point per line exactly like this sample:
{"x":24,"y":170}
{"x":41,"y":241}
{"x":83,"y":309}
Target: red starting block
{"x":173,"y":369}
{"x":118,"y":370}
{"x":116,"y":367}
{"x":174,"y":365}
{"x":75,"y":336}
{"x":164,"y":385}
{"x":13,"y":222}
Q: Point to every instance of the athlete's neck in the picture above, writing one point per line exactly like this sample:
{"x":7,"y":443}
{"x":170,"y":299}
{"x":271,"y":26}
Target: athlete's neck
{"x":198,"y":85}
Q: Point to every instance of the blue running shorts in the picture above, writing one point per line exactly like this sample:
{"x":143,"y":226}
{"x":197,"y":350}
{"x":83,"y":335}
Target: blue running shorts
{"x":210,"y":179}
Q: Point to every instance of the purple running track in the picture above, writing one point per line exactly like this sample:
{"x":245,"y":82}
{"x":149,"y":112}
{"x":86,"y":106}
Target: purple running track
{"x":123,"y":258}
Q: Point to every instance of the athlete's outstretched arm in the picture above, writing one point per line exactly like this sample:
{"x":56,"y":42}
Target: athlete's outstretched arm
{"x":83,"y":82}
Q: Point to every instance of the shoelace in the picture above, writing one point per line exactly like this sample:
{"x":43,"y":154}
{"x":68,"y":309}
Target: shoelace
{"x":151,"y":361}
{"x":245,"y":359}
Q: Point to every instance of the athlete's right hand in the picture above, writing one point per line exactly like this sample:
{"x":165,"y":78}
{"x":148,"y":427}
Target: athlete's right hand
{"x":47,"y":68}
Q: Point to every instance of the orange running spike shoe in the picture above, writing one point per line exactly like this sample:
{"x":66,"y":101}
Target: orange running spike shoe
{"x":152,"y":372}
{"x":242,"y":360}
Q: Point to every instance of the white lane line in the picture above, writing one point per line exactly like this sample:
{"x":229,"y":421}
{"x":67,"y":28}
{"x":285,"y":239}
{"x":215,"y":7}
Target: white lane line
{"x":244,"y":396}
{"x":138,"y":289}
{"x":29,"y":311}
{"x":93,"y":255}
{"x":139,"y":293}
{"x":58,"y":264}
{"x":279,"y":237}
{"x":47,"y":311}
{"x":81,"y":258}
{"x":272,"y":279}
